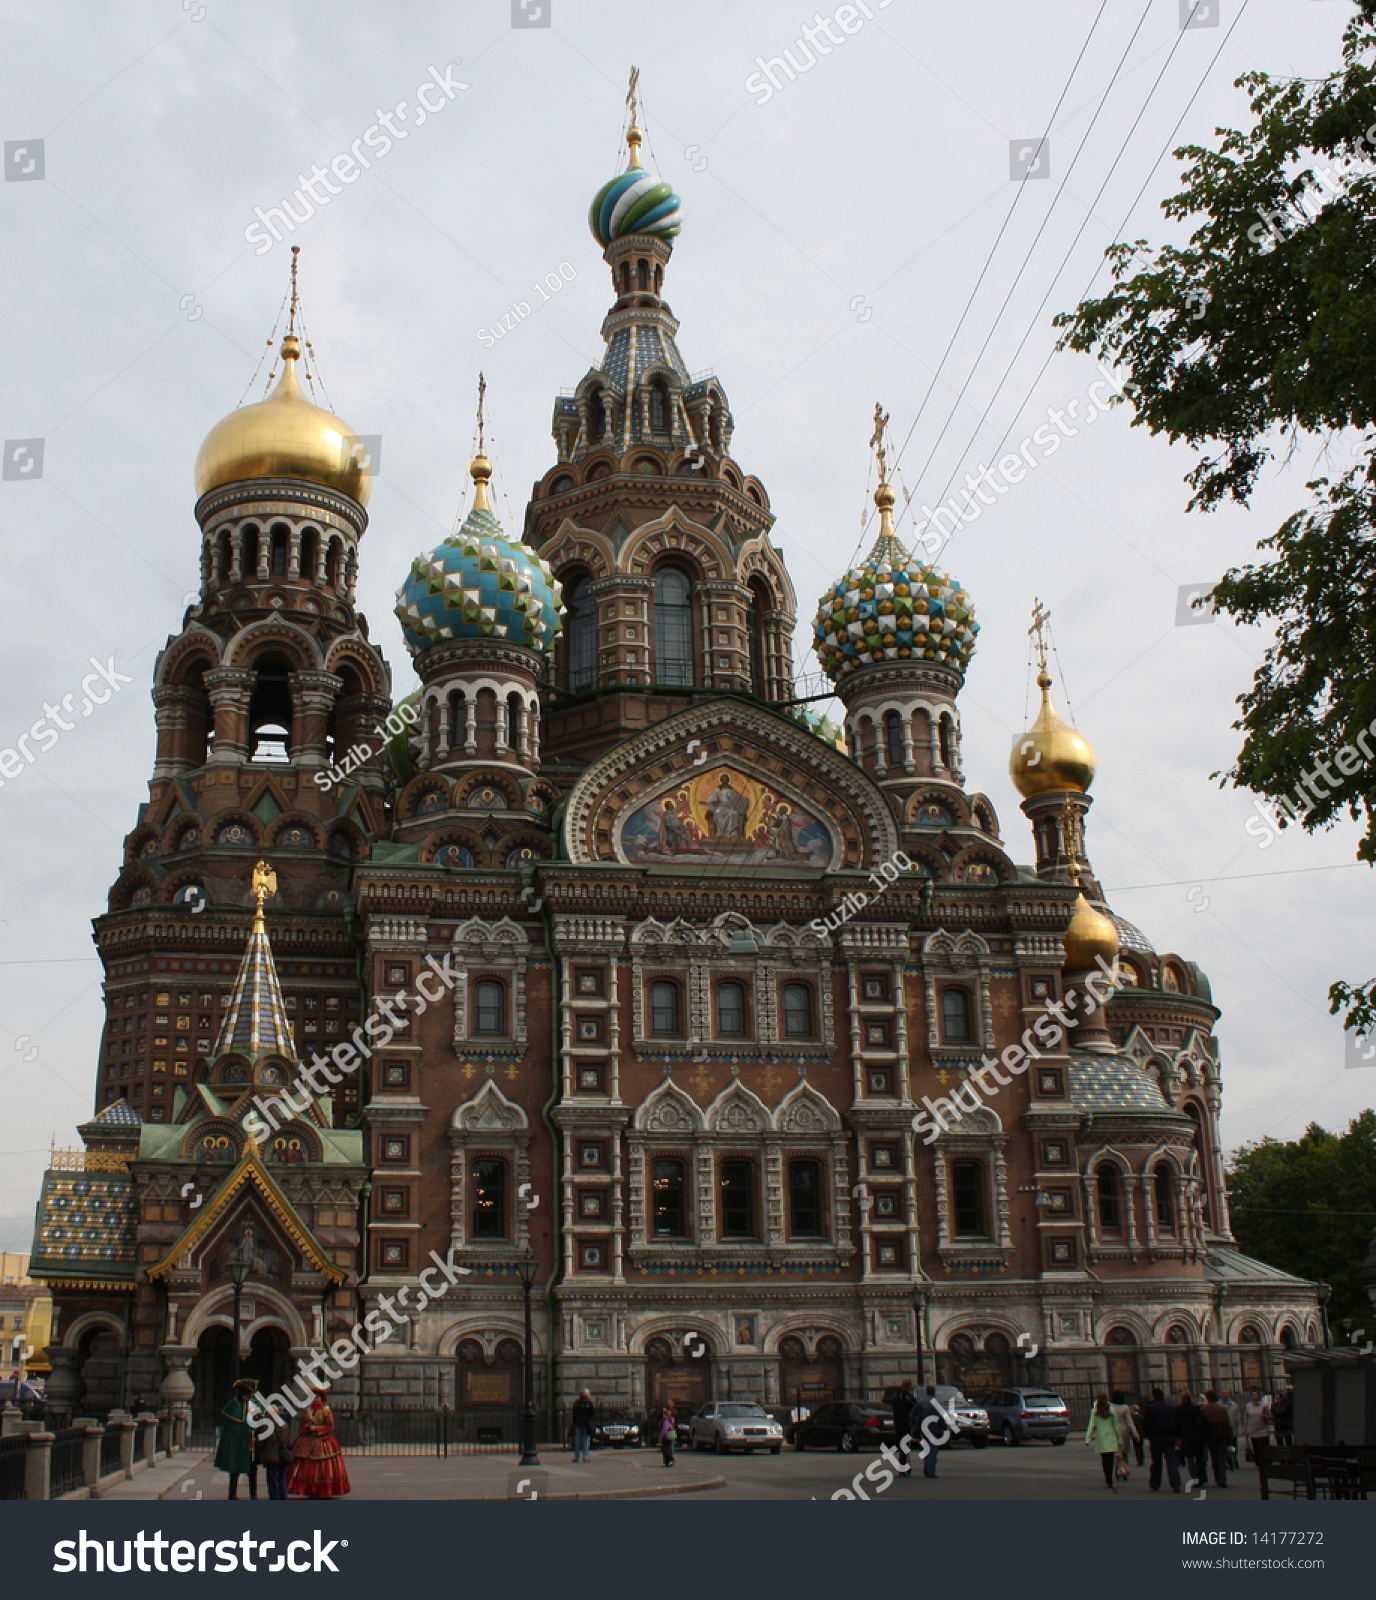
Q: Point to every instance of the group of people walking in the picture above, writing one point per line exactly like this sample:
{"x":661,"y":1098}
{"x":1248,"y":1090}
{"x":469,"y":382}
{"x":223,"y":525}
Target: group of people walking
{"x":1203,"y":1433}
{"x":311,"y":1465}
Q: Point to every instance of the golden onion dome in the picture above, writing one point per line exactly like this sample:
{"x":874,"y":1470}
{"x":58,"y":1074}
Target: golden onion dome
{"x":1050,"y":756}
{"x":1089,"y":935}
{"x":285,"y":436}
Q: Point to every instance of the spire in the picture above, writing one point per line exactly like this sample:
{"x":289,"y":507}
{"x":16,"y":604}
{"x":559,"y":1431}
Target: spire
{"x":256,"y":1019}
{"x":633,"y":132}
{"x":480,"y":468}
{"x":887,"y":544}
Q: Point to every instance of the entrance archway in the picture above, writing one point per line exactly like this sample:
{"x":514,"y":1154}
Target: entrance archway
{"x":977,"y":1370}
{"x":492,"y":1385}
{"x":683,"y":1376}
{"x":101,"y":1366}
{"x":1120,"y":1358}
{"x":1178,"y":1376}
{"x":809,"y":1381}
{"x":1250,"y":1359}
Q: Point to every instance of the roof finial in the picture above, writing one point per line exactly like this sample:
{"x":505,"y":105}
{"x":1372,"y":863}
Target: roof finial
{"x":883,"y":495}
{"x":633,"y":132}
{"x":264,"y":887}
{"x":291,"y":343}
{"x":480,"y":468}
{"x":1040,"y":618}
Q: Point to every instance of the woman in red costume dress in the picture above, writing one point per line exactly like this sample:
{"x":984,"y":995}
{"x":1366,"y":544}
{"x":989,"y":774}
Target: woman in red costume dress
{"x":317,"y":1464}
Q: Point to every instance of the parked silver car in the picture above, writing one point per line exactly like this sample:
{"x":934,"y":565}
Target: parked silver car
{"x":725,"y":1425}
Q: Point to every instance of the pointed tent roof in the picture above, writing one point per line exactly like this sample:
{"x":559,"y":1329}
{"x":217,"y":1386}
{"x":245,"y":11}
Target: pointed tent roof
{"x":256,"y":1020}
{"x":252,"y":1174}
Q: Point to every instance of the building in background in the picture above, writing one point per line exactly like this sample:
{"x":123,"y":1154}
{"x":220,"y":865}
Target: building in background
{"x":717,"y":973}
{"x":26,"y":1314}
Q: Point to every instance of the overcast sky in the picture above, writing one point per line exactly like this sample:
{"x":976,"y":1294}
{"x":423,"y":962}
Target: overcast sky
{"x":831,"y":238}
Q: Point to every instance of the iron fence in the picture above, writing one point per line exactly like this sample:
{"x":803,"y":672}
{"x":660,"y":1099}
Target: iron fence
{"x":110,"y":1459}
{"x":65,"y":1471}
{"x":13,"y":1455}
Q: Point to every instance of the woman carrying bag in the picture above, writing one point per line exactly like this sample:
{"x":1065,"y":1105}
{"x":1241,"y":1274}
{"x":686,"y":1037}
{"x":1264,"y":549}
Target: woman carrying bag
{"x":668,"y":1432}
{"x":1131,"y":1440}
{"x":1106,"y":1436}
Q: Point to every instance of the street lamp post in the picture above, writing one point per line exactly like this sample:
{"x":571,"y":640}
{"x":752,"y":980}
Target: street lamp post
{"x":238,"y":1265}
{"x":528,"y":1267}
{"x":919,"y":1298}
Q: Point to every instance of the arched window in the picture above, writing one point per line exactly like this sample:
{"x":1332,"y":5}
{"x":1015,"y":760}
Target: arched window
{"x":1163,"y":1189}
{"x":673,"y":627}
{"x":666,"y":1200}
{"x":458,"y":718}
{"x":278,"y":562}
{"x":948,"y":743}
{"x":731,"y":1017}
{"x":513,"y":722}
{"x":489,"y":1007}
{"x":967,"y":1199}
{"x":659,"y":408}
{"x":797,"y":1011}
{"x":1110,"y":1196}
{"x":580,"y":628}
{"x":737,"y":1200}
{"x":489,"y":1199}
{"x":625,"y":277}
{"x":248,"y":566}
{"x":597,"y":414}
{"x":270,"y":711}
{"x":760,"y":606}
{"x":955,"y":1016}
{"x":642,"y":274}
{"x":664,"y":1019}
{"x":805,"y":1199}
{"x":225,"y":557}
{"x":893,"y":739}
{"x":310,"y":554}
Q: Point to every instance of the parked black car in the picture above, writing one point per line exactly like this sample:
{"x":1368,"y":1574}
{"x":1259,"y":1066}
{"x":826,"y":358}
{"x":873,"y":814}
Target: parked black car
{"x":619,"y":1429}
{"x":845,"y":1425}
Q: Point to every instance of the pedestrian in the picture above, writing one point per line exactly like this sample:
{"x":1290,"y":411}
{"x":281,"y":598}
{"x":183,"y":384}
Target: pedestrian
{"x":926,"y":1418}
{"x":1163,"y":1432}
{"x":1218,"y":1431}
{"x":1139,"y":1432}
{"x":584,"y":1416}
{"x":1283,"y":1416}
{"x":1256,"y":1422}
{"x":317,"y":1462}
{"x":274,"y":1449}
{"x":1234,"y":1411}
{"x":902,"y":1399}
{"x":1128,"y":1427}
{"x":234,"y":1452}
{"x":668,"y":1432}
{"x":1194,"y":1437}
{"x":1105,"y":1435}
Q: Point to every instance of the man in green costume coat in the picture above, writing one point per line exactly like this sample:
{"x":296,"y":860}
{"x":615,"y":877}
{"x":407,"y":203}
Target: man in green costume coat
{"x":234,"y":1453}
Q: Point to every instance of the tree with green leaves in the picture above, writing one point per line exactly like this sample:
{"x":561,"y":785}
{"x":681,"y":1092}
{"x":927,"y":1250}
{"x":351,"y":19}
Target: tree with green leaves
{"x":1251,"y":341}
{"x":1308,"y":1206}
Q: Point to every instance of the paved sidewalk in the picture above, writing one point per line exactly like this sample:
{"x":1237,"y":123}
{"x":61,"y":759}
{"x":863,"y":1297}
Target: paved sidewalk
{"x":609,"y":1475}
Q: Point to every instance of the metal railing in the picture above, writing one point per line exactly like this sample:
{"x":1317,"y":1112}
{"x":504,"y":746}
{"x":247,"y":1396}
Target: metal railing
{"x":110,"y":1458}
{"x":65,"y":1472}
{"x":13,"y":1455}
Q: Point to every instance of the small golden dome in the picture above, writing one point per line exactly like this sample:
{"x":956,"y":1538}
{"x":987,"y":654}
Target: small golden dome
{"x":1050,"y":755}
{"x":1090,"y":934}
{"x":285,"y":436}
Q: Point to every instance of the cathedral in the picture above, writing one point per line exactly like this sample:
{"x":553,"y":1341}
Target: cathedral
{"x":601,"y":969}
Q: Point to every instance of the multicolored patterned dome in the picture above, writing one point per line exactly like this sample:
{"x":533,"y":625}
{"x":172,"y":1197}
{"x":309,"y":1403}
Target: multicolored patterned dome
{"x":823,"y":727}
{"x":893,"y":608}
{"x":479,"y":585}
{"x":635,"y":202}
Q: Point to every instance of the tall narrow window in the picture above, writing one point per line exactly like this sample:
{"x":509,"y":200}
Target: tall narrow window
{"x":489,"y":1007}
{"x":489,"y":1199}
{"x":666,"y":1200}
{"x":761,"y":605}
{"x":893,"y":739}
{"x":737,"y":1200}
{"x":797,"y":1011}
{"x":664,"y":1009}
{"x":278,"y":561}
{"x":580,"y":628}
{"x":597,"y":414}
{"x":673,"y":628}
{"x":1110,"y":1200}
{"x":1163,"y":1186}
{"x":731,"y":1010}
{"x":642,"y":274}
{"x":955,"y":1016}
{"x":948,"y":743}
{"x":659,"y":409}
{"x":805,"y":1199}
{"x":967,"y":1199}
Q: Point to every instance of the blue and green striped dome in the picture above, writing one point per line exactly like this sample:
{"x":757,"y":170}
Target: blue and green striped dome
{"x":479,"y":585}
{"x":893,"y":608}
{"x":635,"y":202}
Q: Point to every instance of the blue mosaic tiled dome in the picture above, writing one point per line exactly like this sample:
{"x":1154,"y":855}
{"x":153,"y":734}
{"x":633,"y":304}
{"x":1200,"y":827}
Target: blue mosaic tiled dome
{"x":893,"y":607}
{"x":478,"y":584}
{"x":635,"y":201}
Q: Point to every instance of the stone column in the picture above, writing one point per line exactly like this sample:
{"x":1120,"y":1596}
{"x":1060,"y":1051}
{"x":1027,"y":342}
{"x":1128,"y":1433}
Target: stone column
{"x":148,"y":1443}
{"x":294,"y":553}
{"x":173,"y":707}
{"x":177,"y":1389}
{"x":312,"y":699}
{"x":90,"y":1458}
{"x":229,"y":689}
{"x":38,"y":1466}
{"x":64,"y":1386}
